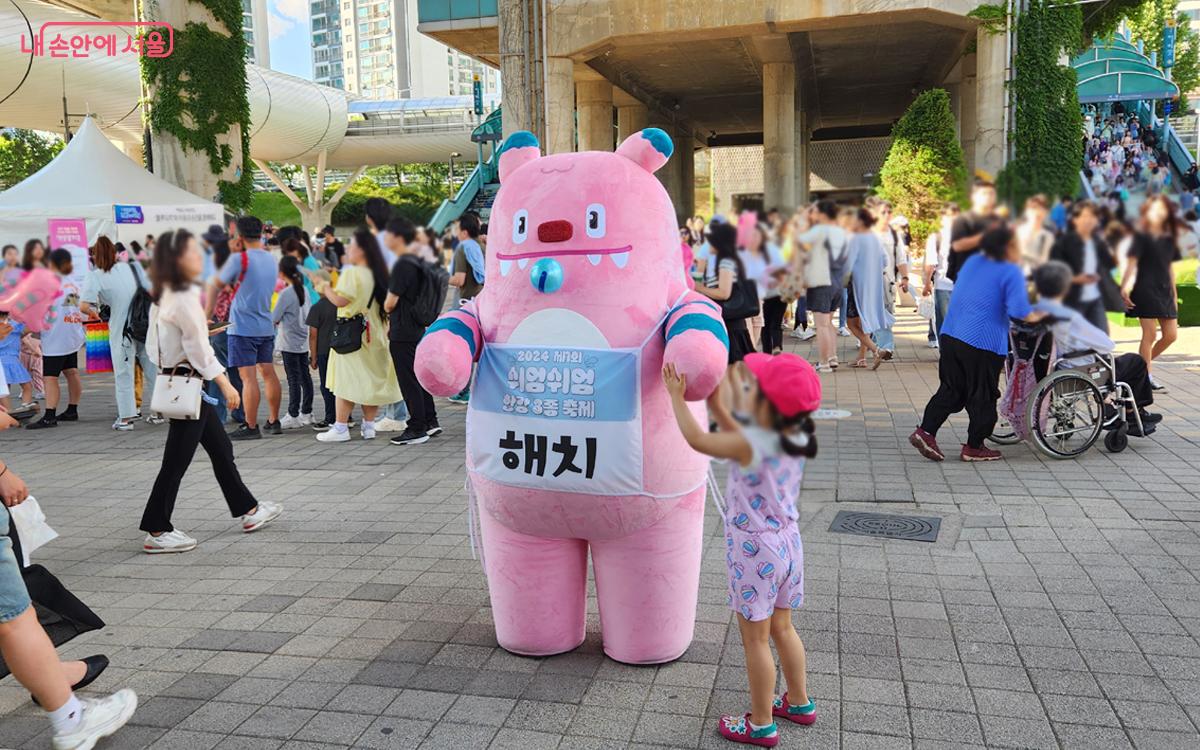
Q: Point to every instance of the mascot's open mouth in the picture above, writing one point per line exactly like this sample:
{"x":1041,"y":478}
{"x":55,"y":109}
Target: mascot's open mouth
{"x":619,"y":255}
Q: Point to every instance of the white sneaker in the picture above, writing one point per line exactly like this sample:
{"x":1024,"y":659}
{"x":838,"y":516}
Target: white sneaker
{"x":844,"y":332}
{"x":266,"y":512}
{"x":807,"y":334}
{"x":170,"y":541}
{"x":122,"y":426}
{"x":306,"y":420}
{"x":389,"y":425}
{"x":369,"y":430}
{"x":334,"y":436}
{"x":100,"y":719}
{"x":933,"y":345}
{"x":288,"y":422}
{"x":154,"y":419}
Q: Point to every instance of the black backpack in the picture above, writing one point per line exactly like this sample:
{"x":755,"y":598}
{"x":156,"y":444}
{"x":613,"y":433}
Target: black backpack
{"x":431,"y":297}
{"x":137,"y":324}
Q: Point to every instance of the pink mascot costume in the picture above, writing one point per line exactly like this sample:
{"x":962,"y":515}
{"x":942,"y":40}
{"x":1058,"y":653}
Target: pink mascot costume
{"x":571,"y":444}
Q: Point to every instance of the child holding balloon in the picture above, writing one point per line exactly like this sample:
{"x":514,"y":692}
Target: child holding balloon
{"x":766,"y":451}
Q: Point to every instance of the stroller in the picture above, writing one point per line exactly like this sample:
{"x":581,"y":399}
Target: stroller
{"x":1058,"y":406}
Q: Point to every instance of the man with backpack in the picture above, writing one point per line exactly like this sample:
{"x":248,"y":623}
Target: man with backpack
{"x":416,"y":294}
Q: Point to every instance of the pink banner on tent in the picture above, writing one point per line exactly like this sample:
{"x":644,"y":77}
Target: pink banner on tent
{"x":67,"y":233}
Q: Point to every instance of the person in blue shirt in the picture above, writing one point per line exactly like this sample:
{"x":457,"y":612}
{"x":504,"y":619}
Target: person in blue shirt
{"x":252,"y":274}
{"x":990,"y":289}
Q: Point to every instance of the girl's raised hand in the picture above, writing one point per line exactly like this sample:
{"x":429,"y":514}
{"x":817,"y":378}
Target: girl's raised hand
{"x":675,"y":382}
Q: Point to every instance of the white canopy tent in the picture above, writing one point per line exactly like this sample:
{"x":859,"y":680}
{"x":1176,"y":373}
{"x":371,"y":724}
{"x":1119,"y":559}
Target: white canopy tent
{"x":92,"y":180}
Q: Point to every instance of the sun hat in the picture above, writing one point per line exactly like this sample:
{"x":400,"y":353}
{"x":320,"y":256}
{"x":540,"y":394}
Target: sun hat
{"x":789,"y":382}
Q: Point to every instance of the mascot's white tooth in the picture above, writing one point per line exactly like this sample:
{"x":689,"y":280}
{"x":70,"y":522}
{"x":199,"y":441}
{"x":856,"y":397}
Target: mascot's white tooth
{"x":621,"y":259}
{"x":594,"y":259}
{"x":505,"y":267}
{"x":522,"y":263}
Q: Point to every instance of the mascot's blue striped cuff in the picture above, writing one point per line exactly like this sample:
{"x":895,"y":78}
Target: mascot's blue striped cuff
{"x":702,"y":302}
{"x":698,"y":322}
{"x":455,"y":326}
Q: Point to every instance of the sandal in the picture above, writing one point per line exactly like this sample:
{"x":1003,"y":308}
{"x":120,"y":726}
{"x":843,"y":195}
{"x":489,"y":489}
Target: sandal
{"x":833,"y":362}
{"x":860,"y":364}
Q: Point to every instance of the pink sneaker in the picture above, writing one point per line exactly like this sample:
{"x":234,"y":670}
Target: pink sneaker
{"x":926,"y":444}
{"x":737,"y":729}
{"x":806,"y":714}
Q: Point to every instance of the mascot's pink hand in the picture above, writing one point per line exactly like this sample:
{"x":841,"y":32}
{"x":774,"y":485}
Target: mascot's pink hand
{"x":443,"y":363}
{"x":701,"y":358}
{"x":29,"y":301}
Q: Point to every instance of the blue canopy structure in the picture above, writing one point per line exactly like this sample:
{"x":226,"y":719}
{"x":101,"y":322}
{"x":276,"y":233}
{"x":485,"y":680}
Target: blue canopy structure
{"x":1114,"y":70}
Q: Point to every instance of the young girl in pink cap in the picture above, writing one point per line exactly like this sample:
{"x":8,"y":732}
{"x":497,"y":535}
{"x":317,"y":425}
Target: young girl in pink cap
{"x":763,"y":549}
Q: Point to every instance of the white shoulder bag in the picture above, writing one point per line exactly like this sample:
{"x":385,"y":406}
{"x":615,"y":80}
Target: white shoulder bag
{"x":177,"y":395}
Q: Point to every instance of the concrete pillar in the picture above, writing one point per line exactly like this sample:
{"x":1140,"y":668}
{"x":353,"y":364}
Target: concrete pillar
{"x":560,"y":105}
{"x":967,"y":110}
{"x":803,"y":135}
{"x":594,"y":101}
{"x":779,"y":136}
{"x":631,"y":118}
{"x":179,"y":165}
{"x":516,"y":68}
{"x":990,"y":98}
{"x":685,"y":154}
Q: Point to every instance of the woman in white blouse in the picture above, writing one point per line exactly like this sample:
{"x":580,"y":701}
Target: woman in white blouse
{"x":178,"y":338}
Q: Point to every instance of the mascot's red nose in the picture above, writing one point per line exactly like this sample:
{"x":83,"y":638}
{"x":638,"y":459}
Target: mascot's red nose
{"x":554,"y":231}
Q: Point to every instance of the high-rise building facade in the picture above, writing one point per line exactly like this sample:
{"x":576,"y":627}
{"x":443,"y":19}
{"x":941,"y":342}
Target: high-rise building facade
{"x":384,"y":57}
{"x":254,"y":28}
{"x":325,"y":24}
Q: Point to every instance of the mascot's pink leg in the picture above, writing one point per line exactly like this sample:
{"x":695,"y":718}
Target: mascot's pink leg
{"x":647,"y":584}
{"x":538,"y":588}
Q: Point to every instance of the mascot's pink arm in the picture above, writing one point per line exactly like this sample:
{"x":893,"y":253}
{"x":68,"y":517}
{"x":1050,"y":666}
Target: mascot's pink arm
{"x":448,"y":350}
{"x":697,"y":344}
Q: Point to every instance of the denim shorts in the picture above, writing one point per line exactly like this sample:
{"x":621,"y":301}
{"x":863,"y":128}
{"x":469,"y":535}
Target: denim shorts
{"x":14,"y":598}
{"x":247,"y":351}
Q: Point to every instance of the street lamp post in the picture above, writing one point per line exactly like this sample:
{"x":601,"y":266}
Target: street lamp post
{"x":453,"y":155}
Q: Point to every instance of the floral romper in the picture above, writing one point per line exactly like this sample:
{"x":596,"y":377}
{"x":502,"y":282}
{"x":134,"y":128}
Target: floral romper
{"x":763,"y":549}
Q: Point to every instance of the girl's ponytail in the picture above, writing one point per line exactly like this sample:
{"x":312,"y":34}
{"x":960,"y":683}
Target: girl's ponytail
{"x":290,"y":268}
{"x":797,"y":435}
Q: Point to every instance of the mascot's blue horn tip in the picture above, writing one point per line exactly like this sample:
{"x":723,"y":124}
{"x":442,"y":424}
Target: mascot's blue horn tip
{"x":658,"y":138}
{"x":520,"y":139}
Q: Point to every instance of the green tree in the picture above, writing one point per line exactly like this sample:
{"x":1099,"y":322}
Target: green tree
{"x":23,"y":152}
{"x":1047,"y":121}
{"x":1146,"y":22}
{"x":925,"y":165}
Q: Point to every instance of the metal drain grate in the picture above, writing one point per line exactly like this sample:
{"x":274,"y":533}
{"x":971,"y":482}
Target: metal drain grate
{"x":910,"y":528}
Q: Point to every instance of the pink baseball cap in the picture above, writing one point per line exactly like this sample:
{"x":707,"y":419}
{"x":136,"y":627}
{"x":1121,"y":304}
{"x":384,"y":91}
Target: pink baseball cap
{"x":789,"y":382}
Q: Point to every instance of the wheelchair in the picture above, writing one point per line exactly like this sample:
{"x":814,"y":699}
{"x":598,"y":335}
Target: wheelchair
{"x":1071,"y":404}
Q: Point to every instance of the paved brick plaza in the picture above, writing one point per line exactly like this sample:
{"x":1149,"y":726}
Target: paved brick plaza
{"x":1059,"y":607}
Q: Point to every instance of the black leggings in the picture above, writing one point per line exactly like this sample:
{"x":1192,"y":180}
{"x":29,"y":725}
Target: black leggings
{"x":182,"y":438}
{"x":772,"y":333}
{"x":300,"y":385}
{"x":970,"y":379}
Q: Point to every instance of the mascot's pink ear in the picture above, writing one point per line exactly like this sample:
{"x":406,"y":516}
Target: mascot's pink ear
{"x":649,"y":149}
{"x":519,"y":148}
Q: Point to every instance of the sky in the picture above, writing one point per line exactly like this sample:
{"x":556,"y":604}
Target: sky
{"x":291,"y":42}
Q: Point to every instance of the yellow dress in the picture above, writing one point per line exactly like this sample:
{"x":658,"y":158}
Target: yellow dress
{"x":366,"y":376}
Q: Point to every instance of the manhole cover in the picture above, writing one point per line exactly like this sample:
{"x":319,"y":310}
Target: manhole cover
{"x":912,"y":528}
{"x":830,"y":414}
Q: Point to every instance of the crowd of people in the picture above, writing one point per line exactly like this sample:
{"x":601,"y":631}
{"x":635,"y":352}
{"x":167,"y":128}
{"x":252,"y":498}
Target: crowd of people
{"x":225,"y":306}
{"x":980,"y":271}
{"x":1121,"y":155}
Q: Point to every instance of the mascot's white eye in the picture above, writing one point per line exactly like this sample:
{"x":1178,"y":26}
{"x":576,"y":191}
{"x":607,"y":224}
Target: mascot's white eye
{"x":595,"y":220}
{"x":520,"y":226}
